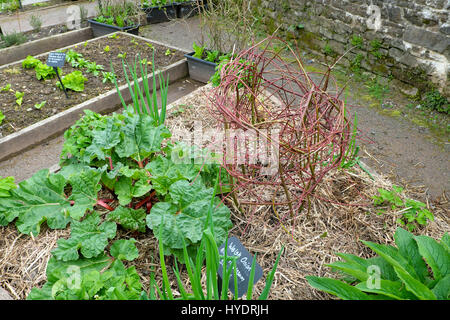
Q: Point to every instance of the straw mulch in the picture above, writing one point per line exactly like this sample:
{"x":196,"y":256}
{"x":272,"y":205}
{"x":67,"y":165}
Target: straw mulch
{"x":341,"y":214}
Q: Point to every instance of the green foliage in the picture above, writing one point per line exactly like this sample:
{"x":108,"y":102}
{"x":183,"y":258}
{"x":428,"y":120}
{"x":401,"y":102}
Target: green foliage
{"x":42,"y":199}
{"x":40,"y":104}
{"x":184,"y":213}
{"x":108,"y":76}
{"x":435,"y":101}
{"x":94,"y":68}
{"x":98,"y":278}
{"x":14,"y":38}
{"x":207,"y":251}
{"x":375,"y":45}
{"x":129,"y":218}
{"x":36,"y":23}
{"x":6,"y":185}
{"x":198,"y":51}
{"x":19,"y":97}
{"x":400,"y":272}
{"x":44,"y":72}
{"x":414,"y":212}
{"x":6,"y":88}
{"x":30,"y":62}
{"x":89,"y":236}
{"x":2,"y":117}
{"x":357,"y":41}
{"x":355,"y":63}
{"x":377,"y":89}
{"x":73,"y":58}
{"x":212,"y":56}
{"x":73,"y":81}
{"x":328,"y":50}
{"x":143,"y":101}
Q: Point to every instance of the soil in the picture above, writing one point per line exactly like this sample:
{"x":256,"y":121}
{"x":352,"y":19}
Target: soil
{"x":24,"y":80}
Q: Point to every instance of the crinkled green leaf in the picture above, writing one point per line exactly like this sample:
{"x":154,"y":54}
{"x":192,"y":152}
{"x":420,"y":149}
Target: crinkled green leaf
{"x":185,"y":215}
{"x":442,"y":288}
{"x":104,"y":139}
{"x":126,"y":189}
{"x":140,"y":137}
{"x":38,"y":199}
{"x":129,"y":218}
{"x":124,"y":249}
{"x":85,"y":188}
{"x":6,"y":185}
{"x":88,"y":236}
{"x":73,"y":81}
{"x":164,"y":173}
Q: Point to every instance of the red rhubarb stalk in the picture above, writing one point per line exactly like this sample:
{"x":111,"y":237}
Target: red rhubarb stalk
{"x":104,"y":205}
{"x":110,"y":163}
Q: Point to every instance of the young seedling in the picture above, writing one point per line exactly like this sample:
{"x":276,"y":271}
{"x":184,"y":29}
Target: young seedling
{"x":106,"y":49}
{"x":19,"y":95}
{"x":40,"y":105}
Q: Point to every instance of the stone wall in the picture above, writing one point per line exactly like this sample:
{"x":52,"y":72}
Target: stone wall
{"x":408,"y":40}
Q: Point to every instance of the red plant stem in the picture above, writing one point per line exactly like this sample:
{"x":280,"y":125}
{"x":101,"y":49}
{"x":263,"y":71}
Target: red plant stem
{"x":103,"y":204}
{"x":110,"y":163}
{"x":140,"y":164}
{"x":149,"y":207}
{"x":145,"y":200}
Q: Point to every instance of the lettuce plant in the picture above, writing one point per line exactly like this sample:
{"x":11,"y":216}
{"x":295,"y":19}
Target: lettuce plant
{"x":73,"y":81}
{"x":418,"y":268}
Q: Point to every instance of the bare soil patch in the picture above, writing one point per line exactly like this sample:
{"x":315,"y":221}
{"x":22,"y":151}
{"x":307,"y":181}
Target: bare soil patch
{"x":24,"y":80}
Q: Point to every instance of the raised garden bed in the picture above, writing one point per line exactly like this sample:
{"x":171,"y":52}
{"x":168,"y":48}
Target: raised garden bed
{"x":45,"y":42}
{"x":102,"y":51}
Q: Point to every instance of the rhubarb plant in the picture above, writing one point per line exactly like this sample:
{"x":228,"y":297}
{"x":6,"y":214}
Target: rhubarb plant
{"x":99,"y":278}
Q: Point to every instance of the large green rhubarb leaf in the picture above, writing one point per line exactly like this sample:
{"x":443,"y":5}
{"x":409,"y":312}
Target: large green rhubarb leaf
{"x":126,"y":189}
{"x":129,"y":218}
{"x":38,"y":199}
{"x":140,"y":137}
{"x":88,"y":236}
{"x":85,"y":188}
{"x":164,"y":173}
{"x":185,"y":215}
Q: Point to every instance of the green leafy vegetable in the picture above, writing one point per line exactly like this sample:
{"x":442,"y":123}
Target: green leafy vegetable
{"x":185,"y":216}
{"x":44,"y":72}
{"x":30,"y":62}
{"x":124,"y":250}
{"x":73,"y":81}
{"x":89,"y":236}
{"x":129,"y":218}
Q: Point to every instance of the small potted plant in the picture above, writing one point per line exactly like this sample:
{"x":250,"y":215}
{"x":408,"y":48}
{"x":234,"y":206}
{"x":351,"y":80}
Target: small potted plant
{"x":160,"y":10}
{"x":116,"y":16}
{"x":202,"y":62}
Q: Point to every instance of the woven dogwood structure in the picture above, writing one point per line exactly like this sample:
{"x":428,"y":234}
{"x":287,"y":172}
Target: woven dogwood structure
{"x":283,"y":130}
